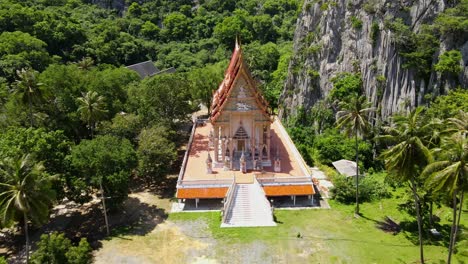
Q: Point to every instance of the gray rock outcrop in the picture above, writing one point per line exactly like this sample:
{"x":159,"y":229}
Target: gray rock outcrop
{"x":327,"y":43}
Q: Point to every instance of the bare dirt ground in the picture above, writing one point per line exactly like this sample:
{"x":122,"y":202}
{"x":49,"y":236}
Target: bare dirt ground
{"x":140,"y":214}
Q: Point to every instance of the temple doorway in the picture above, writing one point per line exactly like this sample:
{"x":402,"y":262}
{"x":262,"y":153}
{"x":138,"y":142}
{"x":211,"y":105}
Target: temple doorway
{"x":240,"y":145}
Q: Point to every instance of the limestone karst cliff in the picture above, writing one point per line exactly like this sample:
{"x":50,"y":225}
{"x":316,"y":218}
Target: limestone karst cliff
{"x":357,"y":36}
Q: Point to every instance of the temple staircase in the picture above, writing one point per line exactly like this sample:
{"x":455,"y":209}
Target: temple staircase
{"x":246,"y":205}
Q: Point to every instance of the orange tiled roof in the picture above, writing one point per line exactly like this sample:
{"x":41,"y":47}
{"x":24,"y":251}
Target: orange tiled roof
{"x":221,"y":95}
{"x":288,"y":190}
{"x":192,"y":193}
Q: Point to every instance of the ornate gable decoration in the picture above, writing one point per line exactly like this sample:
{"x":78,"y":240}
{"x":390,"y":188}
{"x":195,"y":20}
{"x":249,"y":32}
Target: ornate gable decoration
{"x":241,"y":134}
{"x":236,"y":70}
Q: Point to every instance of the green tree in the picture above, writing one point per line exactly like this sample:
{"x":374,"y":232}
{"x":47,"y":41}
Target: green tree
{"x":26,"y":193}
{"x":156,"y":153}
{"x":50,"y":147}
{"x":262,"y":59}
{"x":454,"y":20}
{"x":449,"y":62}
{"x":64,"y":84}
{"x":408,"y":156}
{"x":162,"y":99}
{"x":353,"y":118}
{"x":447,"y":106}
{"x":123,"y":125}
{"x":52,"y":248}
{"x":231,"y":27}
{"x":204,"y":81}
{"x":263,"y":28}
{"x":345,"y":85}
{"x":81,"y":254}
{"x":112,"y":84}
{"x":107,"y":159}
{"x":28,"y":88}
{"x":449,"y":174}
{"x":150,"y":30}
{"x":21,"y":50}
{"x":55,"y":248}
{"x":91,"y":109}
{"x":176,"y":26}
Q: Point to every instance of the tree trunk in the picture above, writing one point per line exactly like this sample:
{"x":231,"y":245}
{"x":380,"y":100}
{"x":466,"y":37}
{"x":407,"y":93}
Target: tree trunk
{"x":459,"y":214}
{"x":357,"y":174}
{"x":26,"y":234}
{"x":452,"y":230}
{"x":31,"y":118}
{"x":431,"y":220}
{"x":104,"y":207}
{"x":419,"y":218}
{"x":455,"y":232}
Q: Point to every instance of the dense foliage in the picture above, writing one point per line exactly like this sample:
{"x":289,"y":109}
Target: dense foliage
{"x":106,"y":159}
{"x":371,"y":187}
{"x":85,"y":124}
{"x":56,"y":248}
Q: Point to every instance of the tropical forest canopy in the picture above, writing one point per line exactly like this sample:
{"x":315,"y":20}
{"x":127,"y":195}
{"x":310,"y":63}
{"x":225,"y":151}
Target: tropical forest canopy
{"x":74,"y":120}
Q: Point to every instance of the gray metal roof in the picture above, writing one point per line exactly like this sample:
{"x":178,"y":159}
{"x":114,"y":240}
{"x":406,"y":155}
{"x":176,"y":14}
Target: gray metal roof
{"x":144,"y":69}
{"x":345,"y":167}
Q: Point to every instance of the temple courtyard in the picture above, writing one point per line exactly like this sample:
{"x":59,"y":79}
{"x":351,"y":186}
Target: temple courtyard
{"x":301,"y":236}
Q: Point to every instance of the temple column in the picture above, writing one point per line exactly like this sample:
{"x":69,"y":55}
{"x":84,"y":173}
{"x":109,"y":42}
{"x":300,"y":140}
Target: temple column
{"x":231,"y":151}
{"x":268,"y":142}
{"x":216,"y":143}
{"x":223,"y":149}
{"x":252,"y":139}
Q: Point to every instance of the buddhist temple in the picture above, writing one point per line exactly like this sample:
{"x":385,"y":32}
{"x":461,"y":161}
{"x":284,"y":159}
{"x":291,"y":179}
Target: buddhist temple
{"x":241,"y":149}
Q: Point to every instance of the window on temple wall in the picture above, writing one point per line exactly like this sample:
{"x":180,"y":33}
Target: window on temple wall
{"x":265,"y":134}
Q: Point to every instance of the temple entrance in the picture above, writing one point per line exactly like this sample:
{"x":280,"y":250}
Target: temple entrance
{"x":240,"y":145}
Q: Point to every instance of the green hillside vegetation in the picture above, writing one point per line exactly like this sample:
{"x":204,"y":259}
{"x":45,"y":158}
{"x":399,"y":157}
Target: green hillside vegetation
{"x":76,"y":124}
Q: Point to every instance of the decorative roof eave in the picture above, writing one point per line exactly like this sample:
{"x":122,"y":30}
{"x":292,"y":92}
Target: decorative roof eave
{"x":235,"y":69}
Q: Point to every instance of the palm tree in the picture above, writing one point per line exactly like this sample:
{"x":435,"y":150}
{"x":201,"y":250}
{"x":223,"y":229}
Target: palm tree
{"x":29,"y":89}
{"x":450,"y":174}
{"x":409,"y":154}
{"x":353,"y":118}
{"x":459,"y":124}
{"x":26,"y":193}
{"x":91,"y":109}
{"x":85,"y":63}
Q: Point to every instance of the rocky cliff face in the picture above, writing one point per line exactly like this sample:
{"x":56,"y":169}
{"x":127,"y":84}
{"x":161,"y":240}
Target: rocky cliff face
{"x":350,"y":36}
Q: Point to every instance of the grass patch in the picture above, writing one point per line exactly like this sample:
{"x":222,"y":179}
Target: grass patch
{"x":301,"y":236}
{"x":331,"y":235}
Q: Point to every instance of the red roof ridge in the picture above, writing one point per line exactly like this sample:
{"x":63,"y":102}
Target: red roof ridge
{"x":224,"y":90}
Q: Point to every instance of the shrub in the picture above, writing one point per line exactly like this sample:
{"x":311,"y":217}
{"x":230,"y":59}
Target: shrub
{"x":375,"y":29}
{"x":370,"y":7}
{"x":449,"y":62}
{"x":402,"y":35}
{"x":371,"y":188}
{"x":332,"y":146}
{"x":56,"y":248}
{"x":344,"y":85}
{"x":324,"y":7}
{"x":80,"y":254}
{"x":356,"y":23}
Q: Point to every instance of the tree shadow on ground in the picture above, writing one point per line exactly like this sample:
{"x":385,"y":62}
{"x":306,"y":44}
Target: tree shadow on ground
{"x":164,"y":188}
{"x":133,"y":218}
{"x":87,"y":221}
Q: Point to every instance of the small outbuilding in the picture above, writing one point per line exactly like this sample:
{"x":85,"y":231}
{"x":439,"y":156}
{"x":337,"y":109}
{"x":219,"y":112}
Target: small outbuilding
{"x":345,"y":167}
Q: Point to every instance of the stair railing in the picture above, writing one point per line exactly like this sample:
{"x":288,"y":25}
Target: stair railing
{"x":264,"y":194}
{"x":228,"y":200}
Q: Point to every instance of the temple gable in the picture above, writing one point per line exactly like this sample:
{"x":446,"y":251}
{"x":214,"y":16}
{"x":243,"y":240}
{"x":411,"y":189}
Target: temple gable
{"x":241,"y":118}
